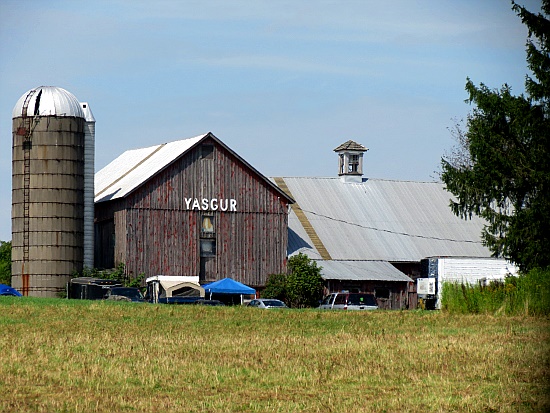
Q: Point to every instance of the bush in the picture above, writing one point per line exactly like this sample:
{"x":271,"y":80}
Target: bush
{"x":275,"y":287}
{"x":301,"y":287}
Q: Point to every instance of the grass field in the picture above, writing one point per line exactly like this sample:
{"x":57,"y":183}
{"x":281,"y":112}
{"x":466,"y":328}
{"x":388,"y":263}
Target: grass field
{"x":83,"y":356}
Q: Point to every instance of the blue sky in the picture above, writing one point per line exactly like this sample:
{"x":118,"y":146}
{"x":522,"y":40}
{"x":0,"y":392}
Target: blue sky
{"x":280,"y":82}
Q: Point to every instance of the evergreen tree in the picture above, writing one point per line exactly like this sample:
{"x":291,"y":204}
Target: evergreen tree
{"x":505,"y":177}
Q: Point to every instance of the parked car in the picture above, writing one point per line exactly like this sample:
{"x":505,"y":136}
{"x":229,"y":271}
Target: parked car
{"x":266,"y":303}
{"x":125,"y":294}
{"x":349,"y":301}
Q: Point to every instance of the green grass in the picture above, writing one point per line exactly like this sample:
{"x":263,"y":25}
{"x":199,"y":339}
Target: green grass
{"x":83,"y":356}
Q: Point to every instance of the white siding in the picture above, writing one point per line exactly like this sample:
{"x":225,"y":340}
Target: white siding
{"x":471,"y":271}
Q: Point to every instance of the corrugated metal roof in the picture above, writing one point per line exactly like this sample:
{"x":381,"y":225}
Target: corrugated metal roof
{"x":133,"y":167}
{"x":361,"y":271}
{"x":381,"y":220}
{"x":49,"y":101}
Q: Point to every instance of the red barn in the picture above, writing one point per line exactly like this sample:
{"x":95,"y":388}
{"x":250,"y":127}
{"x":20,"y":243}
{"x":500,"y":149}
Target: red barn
{"x":190,"y":207}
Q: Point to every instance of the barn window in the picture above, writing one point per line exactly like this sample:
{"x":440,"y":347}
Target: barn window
{"x":353,"y":165}
{"x":382,"y":292}
{"x":207,"y":151}
{"x":208,"y":224}
{"x":208,"y":247}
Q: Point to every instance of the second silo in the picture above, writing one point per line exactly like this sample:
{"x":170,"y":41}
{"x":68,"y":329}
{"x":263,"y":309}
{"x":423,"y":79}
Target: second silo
{"x":89,"y":176}
{"x":47,"y":191}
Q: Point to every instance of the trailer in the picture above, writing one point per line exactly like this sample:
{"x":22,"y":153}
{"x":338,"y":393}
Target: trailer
{"x":435,"y":271}
{"x":173,"y":289}
{"x":90,"y":288}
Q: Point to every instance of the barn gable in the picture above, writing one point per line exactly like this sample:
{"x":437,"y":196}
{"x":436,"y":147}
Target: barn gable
{"x":135,"y":167}
{"x":192,"y":207}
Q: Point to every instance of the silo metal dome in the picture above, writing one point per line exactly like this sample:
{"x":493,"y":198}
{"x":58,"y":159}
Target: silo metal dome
{"x":49,"y":132}
{"x":52,"y":101}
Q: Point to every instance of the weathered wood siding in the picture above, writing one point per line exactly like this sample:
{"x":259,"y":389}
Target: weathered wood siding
{"x":121,"y":238}
{"x":156,"y":233}
{"x":105,"y":234}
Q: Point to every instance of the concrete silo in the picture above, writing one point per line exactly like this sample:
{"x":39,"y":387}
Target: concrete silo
{"x":48,"y":166}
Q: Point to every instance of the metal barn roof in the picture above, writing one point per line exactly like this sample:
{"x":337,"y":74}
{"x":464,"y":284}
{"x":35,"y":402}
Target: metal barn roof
{"x":361,"y":271}
{"x":134,"y":167}
{"x":398,"y":221}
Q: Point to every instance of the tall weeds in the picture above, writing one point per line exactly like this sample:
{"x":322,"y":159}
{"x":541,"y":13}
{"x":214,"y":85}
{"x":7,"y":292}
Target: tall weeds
{"x":527,"y":294}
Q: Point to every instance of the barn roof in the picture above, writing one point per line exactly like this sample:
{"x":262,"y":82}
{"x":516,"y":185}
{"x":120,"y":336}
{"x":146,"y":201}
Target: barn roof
{"x":361,"y":271}
{"x":397,"y":221}
{"x":136,"y":166}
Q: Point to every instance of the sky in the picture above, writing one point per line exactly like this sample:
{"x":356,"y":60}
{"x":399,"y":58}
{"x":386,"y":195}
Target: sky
{"x":282,"y":83}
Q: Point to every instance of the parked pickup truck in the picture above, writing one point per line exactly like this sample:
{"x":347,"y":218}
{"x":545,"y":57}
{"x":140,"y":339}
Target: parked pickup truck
{"x":349,"y":301}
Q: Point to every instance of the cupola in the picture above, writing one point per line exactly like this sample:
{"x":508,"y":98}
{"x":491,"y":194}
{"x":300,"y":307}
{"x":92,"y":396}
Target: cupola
{"x":350,"y":161}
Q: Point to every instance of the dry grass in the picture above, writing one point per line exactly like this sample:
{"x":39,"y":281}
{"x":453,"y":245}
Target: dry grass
{"x":81,"y":356}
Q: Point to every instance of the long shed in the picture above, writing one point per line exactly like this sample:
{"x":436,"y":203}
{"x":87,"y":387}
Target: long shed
{"x":371,"y":235}
{"x":190,"y":207}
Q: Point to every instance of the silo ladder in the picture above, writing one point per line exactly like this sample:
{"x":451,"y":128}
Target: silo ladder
{"x":26,"y":132}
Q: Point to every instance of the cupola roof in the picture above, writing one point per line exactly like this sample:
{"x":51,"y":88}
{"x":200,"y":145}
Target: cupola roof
{"x":351,"y":146}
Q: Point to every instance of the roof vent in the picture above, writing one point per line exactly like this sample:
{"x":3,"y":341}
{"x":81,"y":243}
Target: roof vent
{"x":350,"y":161}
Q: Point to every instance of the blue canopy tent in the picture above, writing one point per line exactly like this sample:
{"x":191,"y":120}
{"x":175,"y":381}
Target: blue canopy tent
{"x":228,"y":286}
{"x":7,"y":290}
